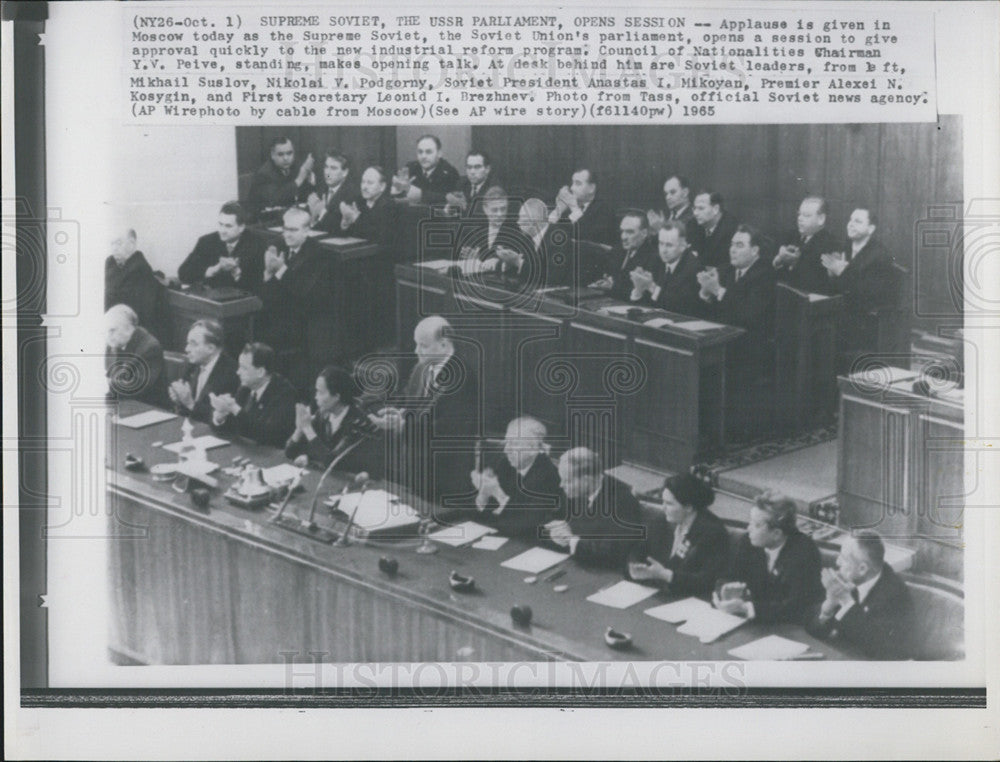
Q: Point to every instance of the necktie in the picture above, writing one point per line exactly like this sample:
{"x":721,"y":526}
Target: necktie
{"x":292,"y":253}
{"x":855,"y":596}
{"x":428,"y":380}
{"x":739,"y":274}
{"x":628,"y":258}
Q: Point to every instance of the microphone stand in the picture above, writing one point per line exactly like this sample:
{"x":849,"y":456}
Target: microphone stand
{"x":344,"y":540}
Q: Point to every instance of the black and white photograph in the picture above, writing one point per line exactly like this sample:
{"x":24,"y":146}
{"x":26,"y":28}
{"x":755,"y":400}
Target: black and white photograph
{"x":651,"y":376}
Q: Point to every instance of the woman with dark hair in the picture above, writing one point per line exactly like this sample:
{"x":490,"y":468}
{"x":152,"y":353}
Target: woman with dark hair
{"x":337,"y":423}
{"x":687,"y":547}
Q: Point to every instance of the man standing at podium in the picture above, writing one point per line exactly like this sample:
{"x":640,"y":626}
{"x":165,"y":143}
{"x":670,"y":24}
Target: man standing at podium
{"x":437,"y":422}
{"x":231,"y":257}
{"x":128,"y":279}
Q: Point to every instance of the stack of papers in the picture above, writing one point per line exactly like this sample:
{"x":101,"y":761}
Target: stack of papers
{"x":490,"y":542}
{"x":709,"y":625}
{"x":770,"y":648}
{"x":622,"y":595}
{"x":461,"y":534}
{"x":679,"y":611}
{"x":280,"y":474}
{"x":141,"y":420}
{"x":377,"y":510}
{"x":535,"y":560}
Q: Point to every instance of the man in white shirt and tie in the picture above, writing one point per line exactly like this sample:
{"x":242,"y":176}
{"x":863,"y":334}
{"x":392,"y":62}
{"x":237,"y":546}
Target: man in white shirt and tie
{"x":232,"y":256}
{"x":324,"y":205}
{"x":263,"y":408}
{"x":675,"y":288}
{"x":210,"y":370}
{"x":578,"y":203}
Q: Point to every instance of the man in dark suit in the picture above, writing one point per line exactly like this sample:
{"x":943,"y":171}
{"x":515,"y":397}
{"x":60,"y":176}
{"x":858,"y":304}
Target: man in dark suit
{"x":128,"y":279}
{"x":743,"y":295}
{"x":866,"y":278}
{"x":776,"y":571}
{"x":336,"y":189}
{"x":279,"y":183}
{"x":797,"y":262}
{"x":601,"y":523}
{"x":714,"y":229}
{"x":673,"y":284}
{"x":519,"y":492}
{"x":593,"y":220}
{"x":209,"y":371}
{"x":635,"y":252}
{"x":264,"y":406}
{"x":544,"y":253}
{"x":374,"y":216}
{"x":866,"y":605}
{"x":233,"y":256}
{"x":479,"y":178}
{"x":481,"y":241}
{"x":677,"y":196}
{"x":430,"y":178}
{"x":436,"y":418}
{"x":298,"y":314}
{"x":134,"y":359}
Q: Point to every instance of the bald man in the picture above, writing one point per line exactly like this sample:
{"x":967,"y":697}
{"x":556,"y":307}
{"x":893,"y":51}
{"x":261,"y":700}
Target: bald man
{"x":543,"y":256}
{"x":134,"y":359}
{"x":518,"y":492}
{"x":436,"y":418}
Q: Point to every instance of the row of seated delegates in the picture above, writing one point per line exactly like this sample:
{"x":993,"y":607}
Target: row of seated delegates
{"x":280,"y":182}
{"x":129,"y":279}
{"x":133,"y":361}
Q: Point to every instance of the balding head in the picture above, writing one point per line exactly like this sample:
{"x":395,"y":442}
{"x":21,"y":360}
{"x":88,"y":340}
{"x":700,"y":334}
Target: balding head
{"x":120,"y":323}
{"x":532,"y":217}
{"x":580,"y":472}
{"x":432,"y":339}
{"x":524,"y":441}
{"x":123,"y":244}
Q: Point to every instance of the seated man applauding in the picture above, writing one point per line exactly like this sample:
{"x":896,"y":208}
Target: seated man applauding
{"x":688,"y":551}
{"x":602,"y":523}
{"x":775,"y":574}
{"x":866,"y":604}
{"x":264,"y":406}
{"x":336,"y":425}
{"x":209,"y":371}
{"x":519,"y":492}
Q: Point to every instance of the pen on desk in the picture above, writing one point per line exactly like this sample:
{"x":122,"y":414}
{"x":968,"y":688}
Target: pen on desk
{"x":807,"y":656}
{"x":555,"y":575}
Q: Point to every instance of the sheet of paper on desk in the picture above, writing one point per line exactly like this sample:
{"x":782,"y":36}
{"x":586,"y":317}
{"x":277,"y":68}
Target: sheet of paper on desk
{"x":535,"y":560}
{"x":436,"y":264}
{"x":622,"y":595}
{"x":141,"y":420}
{"x":461,"y":534}
{"x":342,"y":241}
{"x":679,"y":611}
{"x":770,"y":648}
{"x":377,"y":510}
{"x":698,"y":325}
{"x":490,"y":542}
{"x":659,"y":322}
{"x":206,"y":442}
{"x":710,"y":625}
{"x":280,"y":474}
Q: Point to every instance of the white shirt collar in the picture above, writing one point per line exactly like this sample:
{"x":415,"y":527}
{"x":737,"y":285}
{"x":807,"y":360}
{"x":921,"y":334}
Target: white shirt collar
{"x":595,"y":493}
{"x":866,"y":587}
{"x":524,"y":471}
{"x":540,"y":235}
{"x":259,"y":391}
{"x":337,"y":419}
{"x":772,"y":555}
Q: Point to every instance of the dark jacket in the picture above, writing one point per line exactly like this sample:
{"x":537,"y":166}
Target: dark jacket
{"x":376,"y":223}
{"x":210,"y":249}
{"x":474,"y":201}
{"x":331,"y":444}
{"x":788,"y":593}
{"x":870,"y":282}
{"x":301,"y":296}
{"x":136,"y":371}
{"x":808,"y":274}
{"x":596,"y":224}
{"x":713,"y":250}
{"x":534,"y":498}
{"x":610,"y":528}
{"x":880,"y":625}
{"x":477,"y":235}
{"x":678,"y":291}
{"x":443,"y":180}
{"x":271,"y":188}
{"x":270,"y":420}
{"x":222,"y":380}
{"x":701,"y":560}
{"x":330,"y":221}
{"x":552,"y":263}
{"x":620,"y":263}
{"x":134,"y":284}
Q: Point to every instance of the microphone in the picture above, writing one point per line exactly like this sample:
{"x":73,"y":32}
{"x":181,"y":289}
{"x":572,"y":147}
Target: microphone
{"x":362,"y":478}
{"x":291,"y":488}
{"x":333,"y":463}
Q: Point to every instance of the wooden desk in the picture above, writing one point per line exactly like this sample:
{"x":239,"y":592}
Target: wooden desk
{"x":651,"y":396}
{"x":236,"y":316}
{"x":227,"y":587}
{"x":901,"y":465}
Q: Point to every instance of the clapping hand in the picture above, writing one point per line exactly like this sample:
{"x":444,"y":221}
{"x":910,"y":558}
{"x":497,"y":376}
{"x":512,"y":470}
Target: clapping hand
{"x":708,"y":279}
{"x":486,"y":483}
{"x":303,"y":417}
{"x":401,"y":182}
{"x":656,"y":220}
{"x":787,"y":255}
{"x":838,"y":590}
{"x":305,"y":170}
{"x":180,"y":393}
{"x":650,"y":569}
{"x":835,"y":264}
{"x":565,"y":200}
{"x":560,"y":533}
{"x":223,"y":404}
{"x":508,"y":256}
{"x":457,"y":200}
{"x":273,"y":260}
{"x":387,"y":419}
{"x":642,"y":280}
{"x":349,"y":214}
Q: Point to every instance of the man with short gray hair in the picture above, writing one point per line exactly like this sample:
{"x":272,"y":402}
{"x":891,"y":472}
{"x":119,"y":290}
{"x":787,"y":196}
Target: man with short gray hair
{"x":134,"y":359}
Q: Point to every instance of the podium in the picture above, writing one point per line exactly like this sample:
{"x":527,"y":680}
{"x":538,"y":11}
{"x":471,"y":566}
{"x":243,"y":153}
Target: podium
{"x":805,"y":358}
{"x":235,"y":315}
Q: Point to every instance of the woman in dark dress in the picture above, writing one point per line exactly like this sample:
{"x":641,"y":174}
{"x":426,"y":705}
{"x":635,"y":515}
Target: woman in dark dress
{"x":687,"y":546}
